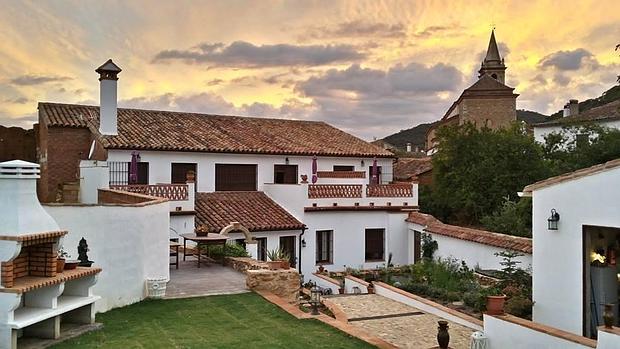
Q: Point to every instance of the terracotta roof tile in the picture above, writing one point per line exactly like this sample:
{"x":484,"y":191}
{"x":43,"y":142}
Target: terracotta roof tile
{"x":504,"y":241}
{"x":178,"y":131}
{"x":572,"y":175}
{"x":253,"y":209}
{"x":609,"y":111}
{"x":421,"y":218}
{"x":408,"y":168}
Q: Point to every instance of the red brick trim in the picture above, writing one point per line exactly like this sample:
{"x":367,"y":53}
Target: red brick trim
{"x":341,"y":174}
{"x":358,"y":280}
{"x":327,"y":278}
{"x":29,"y":283}
{"x":356,"y":332}
{"x":336,"y":310}
{"x":112,"y":196}
{"x":552,"y":331}
{"x":430,"y":303}
{"x":360,"y":208}
{"x":34,"y":236}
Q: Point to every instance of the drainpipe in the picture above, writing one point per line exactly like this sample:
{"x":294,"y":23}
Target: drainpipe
{"x":303,"y":230}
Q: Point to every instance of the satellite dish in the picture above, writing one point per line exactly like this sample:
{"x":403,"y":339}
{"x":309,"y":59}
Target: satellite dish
{"x":92,"y":150}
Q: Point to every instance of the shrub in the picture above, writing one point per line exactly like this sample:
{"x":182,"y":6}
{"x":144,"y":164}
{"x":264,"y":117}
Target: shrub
{"x":512,"y":218}
{"x":429,"y":246}
{"x":232,"y":250}
{"x":520,"y":306}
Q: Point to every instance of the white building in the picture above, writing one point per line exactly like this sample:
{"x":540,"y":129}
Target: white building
{"x":255,"y":171}
{"x":607,"y":115}
{"x":575,"y":269}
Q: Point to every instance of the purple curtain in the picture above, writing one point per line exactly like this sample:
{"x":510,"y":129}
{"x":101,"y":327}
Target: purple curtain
{"x":133,"y":167}
{"x":314,"y":166}
{"x":374,"y":172}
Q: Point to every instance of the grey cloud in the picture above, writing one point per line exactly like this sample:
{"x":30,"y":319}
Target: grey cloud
{"x":247,"y":55}
{"x":24,"y":121}
{"x":568,"y":60}
{"x":215,"y":82}
{"x":17,"y":100}
{"x":204,"y":102}
{"x":29,"y":80}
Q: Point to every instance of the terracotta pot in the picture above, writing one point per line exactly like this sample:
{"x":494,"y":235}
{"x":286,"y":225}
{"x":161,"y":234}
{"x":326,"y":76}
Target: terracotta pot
{"x":341,"y":290}
{"x":60,"y":265}
{"x":274,"y":265}
{"x":285,"y":264}
{"x":71,"y":264}
{"x":321,"y":268}
{"x":608,"y":316}
{"x":495,"y":305}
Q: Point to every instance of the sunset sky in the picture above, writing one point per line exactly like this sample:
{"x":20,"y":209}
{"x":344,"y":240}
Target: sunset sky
{"x":370,"y":68}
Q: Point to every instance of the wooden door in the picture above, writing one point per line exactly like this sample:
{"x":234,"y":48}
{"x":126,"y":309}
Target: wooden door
{"x":235,"y":177}
{"x":287,"y":243}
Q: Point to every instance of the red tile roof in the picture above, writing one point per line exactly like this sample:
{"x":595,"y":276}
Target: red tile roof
{"x":178,"y":131}
{"x":253,"y":209}
{"x":609,"y":111}
{"x":609,"y":165}
{"x":408,"y":168}
{"x":515,"y":243}
{"x":421,"y":218}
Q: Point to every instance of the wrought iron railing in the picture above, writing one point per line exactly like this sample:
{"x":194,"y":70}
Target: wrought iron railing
{"x":174,"y":192}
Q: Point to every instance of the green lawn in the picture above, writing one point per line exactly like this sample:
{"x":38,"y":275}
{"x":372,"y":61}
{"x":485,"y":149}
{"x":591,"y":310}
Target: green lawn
{"x":232,"y":321}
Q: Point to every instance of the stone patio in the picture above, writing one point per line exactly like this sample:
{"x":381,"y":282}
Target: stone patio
{"x":403,"y":325}
{"x":209,"y":279}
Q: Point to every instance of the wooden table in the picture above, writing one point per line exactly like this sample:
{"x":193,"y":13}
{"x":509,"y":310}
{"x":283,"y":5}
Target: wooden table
{"x":174,"y":246}
{"x":205,"y":240}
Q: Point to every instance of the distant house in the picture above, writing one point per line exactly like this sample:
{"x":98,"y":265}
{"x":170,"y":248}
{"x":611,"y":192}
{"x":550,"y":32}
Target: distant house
{"x":575,"y":255}
{"x":486,"y":103}
{"x":255,"y":171}
{"x":383,"y":144}
{"x":419,"y":170}
{"x":607,"y":115}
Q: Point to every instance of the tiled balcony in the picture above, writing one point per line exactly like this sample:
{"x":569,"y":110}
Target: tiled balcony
{"x":180,"y":196}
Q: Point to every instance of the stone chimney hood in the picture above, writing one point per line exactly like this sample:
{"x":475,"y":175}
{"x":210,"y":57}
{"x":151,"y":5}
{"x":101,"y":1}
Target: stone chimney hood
{"x":108,"y":103}
{"x":21,"y":211}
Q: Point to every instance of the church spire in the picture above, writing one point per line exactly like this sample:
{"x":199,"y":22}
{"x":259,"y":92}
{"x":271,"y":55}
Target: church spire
{"x":493,"y":63}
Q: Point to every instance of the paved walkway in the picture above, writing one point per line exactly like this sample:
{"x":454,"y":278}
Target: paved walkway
{"x":209,"y":279}
{"x":402,"y":325}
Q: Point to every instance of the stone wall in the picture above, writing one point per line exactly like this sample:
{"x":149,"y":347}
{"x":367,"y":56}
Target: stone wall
{"x":17,"y":144}
{"x":284,"y":283}
{"x":491,"y":112}
{"x":244,"y":264}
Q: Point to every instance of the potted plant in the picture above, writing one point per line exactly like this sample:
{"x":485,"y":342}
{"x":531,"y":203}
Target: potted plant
{"x":495,"y":304}
{"x":278,"y":259}
{"x":60,"y":260}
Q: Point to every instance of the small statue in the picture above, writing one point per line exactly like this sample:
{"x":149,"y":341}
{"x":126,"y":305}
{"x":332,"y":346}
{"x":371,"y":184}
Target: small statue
{"x":443,"y":337}
{"x":82,"y":256}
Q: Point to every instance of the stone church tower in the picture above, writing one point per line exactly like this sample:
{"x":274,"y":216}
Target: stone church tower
{"x":487,"y":103}
{"x":493,"y":65}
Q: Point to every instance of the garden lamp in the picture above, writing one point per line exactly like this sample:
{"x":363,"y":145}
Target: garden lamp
{"x":553,"y":220}
{"x":315,"y":299}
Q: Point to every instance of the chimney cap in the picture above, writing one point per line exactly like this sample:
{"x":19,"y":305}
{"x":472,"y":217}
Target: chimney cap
{"x":19,"y":169}
{"x":573,"y":101}
{"x":108,"y":67}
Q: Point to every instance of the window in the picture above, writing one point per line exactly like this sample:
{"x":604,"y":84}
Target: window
{"x":324,"y":246}
{"x":285,"y":174}
{"x":229,"y":177}
{"x":261,"y":248}
{"x":340,"y":168}
{"x":287,"y":243}
{"x":240,"y":242}
{"x":179,"y":173}
{"x":375,"y":245}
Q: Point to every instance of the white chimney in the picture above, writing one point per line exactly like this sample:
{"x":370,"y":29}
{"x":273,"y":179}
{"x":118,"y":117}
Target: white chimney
{"x":565,"y":111}
{"x":108,"y":97}
{"x":573,"y":106}
{"x":408,"y":147}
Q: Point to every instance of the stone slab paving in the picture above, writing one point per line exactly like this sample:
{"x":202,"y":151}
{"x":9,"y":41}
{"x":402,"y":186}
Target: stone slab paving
{"x":410,"y":331}
{"x":209,"y":279}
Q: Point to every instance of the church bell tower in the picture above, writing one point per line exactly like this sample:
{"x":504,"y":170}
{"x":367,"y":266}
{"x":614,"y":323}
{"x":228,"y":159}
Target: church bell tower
{"x":493,"y":64}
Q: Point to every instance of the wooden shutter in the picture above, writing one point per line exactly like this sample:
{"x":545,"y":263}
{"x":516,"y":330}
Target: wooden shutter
{"x":179,"y":172}
{"x":285,"y":174}
{"x":233,"y":177}
{"x":375,"y":244}
{"x":339,"y":168}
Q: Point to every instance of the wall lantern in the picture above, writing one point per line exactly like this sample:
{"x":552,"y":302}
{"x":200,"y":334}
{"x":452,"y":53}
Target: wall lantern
{"x":303,"y":242}
{"x":315,"y":299}
{"x":286,"y":161}
{"x":553,"y":220}
{"x":363,"y":163}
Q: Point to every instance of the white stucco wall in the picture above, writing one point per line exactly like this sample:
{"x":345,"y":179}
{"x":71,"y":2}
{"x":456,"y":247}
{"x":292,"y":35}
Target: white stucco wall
{"x":160,"y":165}
{"x":541,"y":131}
{"x":130,"y":244}
{"x":503,"y":334}
{"x":474,"y":254}
{"x":557,"y":258}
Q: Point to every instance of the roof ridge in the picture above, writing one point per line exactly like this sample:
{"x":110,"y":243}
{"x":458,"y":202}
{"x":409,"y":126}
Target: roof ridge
{"x":580,"y":173}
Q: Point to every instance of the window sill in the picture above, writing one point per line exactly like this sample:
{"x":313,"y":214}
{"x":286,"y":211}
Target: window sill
{"x":324,"y":263}
{"x":375,"y":260}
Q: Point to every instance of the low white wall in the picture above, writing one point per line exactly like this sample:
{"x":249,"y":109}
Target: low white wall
{"x":130,"y":244}
{"x":504,"y":334}
{"x":607,"y":340}
{"x":324,"y":283}
{"x":473,"y":253}
{"x":350,"y":283}
{"x":389,"y":292}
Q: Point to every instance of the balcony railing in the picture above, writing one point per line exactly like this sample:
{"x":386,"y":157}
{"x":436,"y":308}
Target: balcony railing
{"x":400,"y":190}
{"x":323,"y":191}
{"x":341,"y":174}
{"x":173,"y":192}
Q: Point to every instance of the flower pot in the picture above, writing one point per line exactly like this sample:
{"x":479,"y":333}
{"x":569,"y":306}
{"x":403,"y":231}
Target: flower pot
{"x":71,"y":264}
{"x":495,"y":305}
{"x":60,"y":265}
{"x":274,"y":265}
{"x":285,"y":264}
{"x":321,"y":268}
